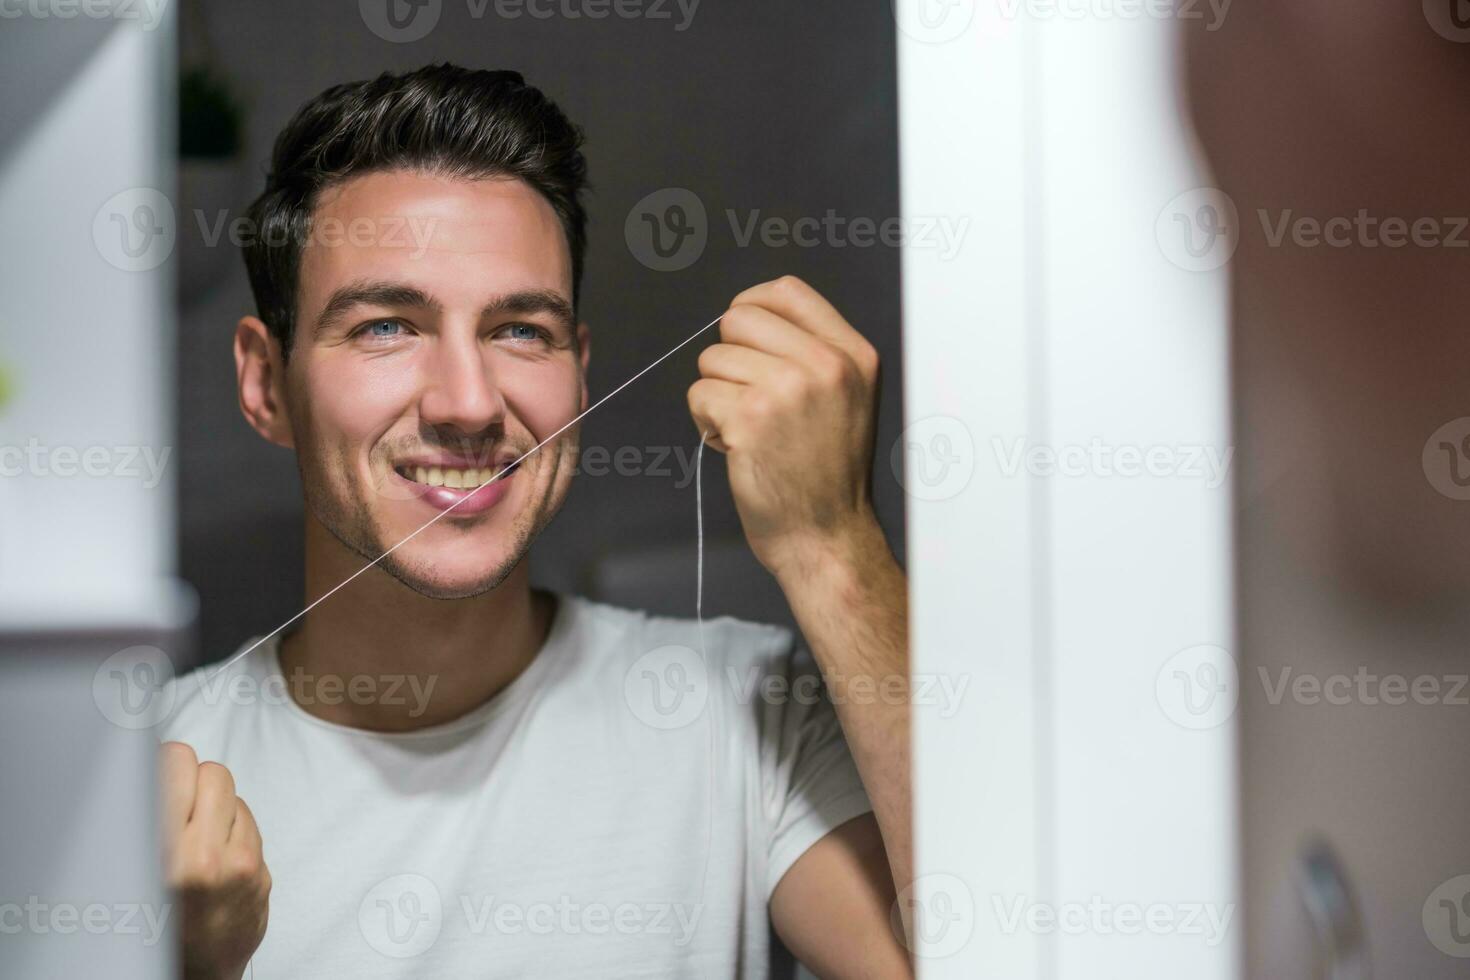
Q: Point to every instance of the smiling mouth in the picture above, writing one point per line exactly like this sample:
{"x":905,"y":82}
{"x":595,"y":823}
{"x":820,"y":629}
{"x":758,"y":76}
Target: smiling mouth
{"x":454,"y":477}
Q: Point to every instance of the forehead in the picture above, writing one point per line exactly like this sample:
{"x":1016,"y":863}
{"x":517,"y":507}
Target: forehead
{"x":455,"y":239}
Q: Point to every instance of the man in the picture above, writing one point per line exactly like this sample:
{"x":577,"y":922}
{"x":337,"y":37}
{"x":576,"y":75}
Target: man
{"x":470,"y":777}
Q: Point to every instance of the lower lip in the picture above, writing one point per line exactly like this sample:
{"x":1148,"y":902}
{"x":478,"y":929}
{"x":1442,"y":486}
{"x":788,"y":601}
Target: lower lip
{"x":462,"y":502}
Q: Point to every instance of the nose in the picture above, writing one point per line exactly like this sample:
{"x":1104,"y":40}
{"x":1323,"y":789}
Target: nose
{"x":461,"y":391}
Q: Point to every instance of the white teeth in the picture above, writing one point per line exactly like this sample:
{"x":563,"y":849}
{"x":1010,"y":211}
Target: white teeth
{"x":455,"y":479}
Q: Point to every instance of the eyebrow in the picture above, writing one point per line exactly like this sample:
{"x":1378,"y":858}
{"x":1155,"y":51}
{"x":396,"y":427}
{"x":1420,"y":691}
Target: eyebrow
{"x":397,"y":294}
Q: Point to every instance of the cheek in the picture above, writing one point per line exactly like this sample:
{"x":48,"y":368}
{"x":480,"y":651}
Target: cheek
{"x":544,"y":397}
{"x":352,"y":408}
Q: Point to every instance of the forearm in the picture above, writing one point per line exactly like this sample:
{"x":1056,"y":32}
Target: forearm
{"x":850,"y":598}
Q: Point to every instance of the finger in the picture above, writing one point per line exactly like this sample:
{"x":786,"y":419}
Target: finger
{"x":801,"y":304}
{"x":179,"y":773}
{"x":214,"y":805}
{"x":756,"y":327}
{"x":711,"y":402}
{"x":743,"y":365}
{"x":245,"y":833}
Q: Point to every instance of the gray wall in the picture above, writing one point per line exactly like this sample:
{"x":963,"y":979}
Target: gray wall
{"x":784,"y":108}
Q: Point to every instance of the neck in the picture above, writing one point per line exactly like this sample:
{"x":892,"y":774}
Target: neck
{"x":381,"y":657}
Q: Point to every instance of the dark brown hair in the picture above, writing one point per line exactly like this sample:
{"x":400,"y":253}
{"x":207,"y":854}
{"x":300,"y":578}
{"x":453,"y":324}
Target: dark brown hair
{"x":443,"y":119}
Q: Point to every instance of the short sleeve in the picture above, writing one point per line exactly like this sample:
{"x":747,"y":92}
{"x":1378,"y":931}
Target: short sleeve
{"x":810,"y":783}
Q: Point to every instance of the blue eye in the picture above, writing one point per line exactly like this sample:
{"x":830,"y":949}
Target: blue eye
{"x":524,"y":331}
{"x":381,"y":329}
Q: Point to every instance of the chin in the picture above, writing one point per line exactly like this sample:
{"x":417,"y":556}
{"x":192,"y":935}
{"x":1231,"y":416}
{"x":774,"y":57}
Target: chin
{"x":439,"y":578}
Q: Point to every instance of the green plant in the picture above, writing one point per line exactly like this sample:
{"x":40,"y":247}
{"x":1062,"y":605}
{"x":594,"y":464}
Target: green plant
{"x":7,"y":386}
{"x":210,"y":119}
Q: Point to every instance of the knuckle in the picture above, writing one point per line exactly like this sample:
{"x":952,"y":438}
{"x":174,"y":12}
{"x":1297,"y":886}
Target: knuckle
{"x":216,"y":775}
{"x":201,"y":866}
{"x":244,"y":865}
{"x":707,"y":359}
{"x":178,"y":753}
{"x":789,"y":284}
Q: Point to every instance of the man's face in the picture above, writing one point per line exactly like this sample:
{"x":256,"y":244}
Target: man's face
{"x":435,"y":346}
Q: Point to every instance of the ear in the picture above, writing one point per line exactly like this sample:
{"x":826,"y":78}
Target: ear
{"x":260,"y":372}
{"x":584,"y":354}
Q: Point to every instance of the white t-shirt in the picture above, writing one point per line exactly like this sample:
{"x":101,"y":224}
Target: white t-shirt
{"x":618,"y":810}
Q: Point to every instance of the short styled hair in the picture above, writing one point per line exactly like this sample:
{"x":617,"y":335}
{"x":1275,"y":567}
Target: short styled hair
{"x":440,"y":119}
